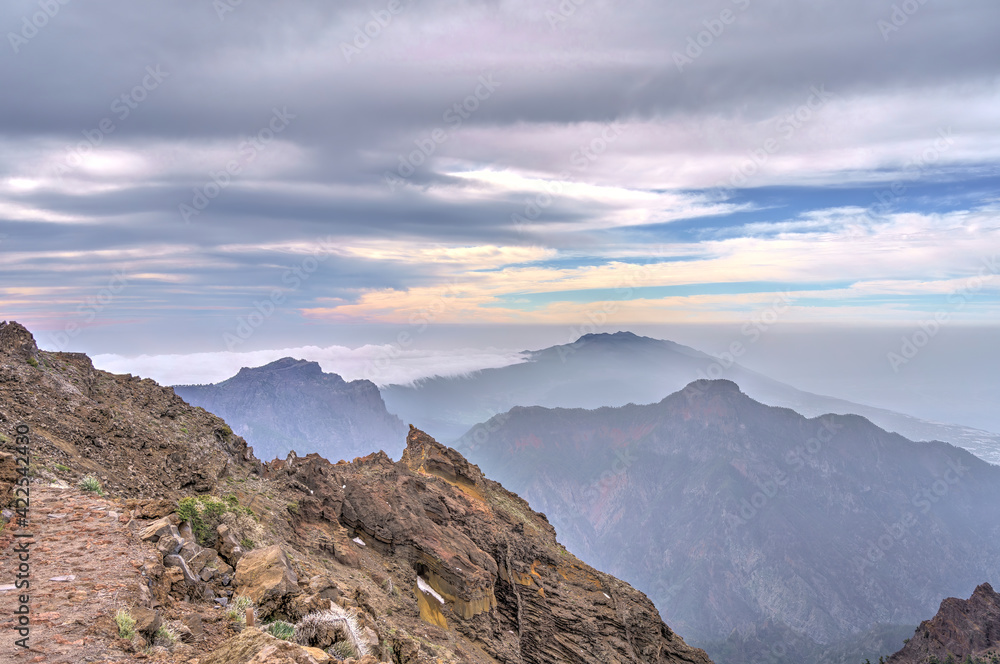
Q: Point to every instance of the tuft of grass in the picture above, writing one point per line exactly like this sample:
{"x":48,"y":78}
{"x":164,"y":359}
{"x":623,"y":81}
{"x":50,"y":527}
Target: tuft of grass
{"x":247,"y":544}
{"x":33,"y":362}
{"x":91,"y":483}
{"x":63,"y":468}
{"x":279,"y":629}
{"x":237,"y":609}
{"x":166,"y":637}
{"x":343,"y":650}
{"x":126,"y":623}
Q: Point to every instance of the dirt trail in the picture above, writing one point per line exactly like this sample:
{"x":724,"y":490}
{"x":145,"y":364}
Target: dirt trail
{"x":83,"y":567}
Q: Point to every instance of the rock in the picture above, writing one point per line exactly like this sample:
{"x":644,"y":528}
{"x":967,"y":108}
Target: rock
{"x":323,"y":587}
{"x":193,"y":622}
{"x":252,"y":646}
{"x":8,"y":477}
{"x":961,"y":629}
{"x":147,"y":621}
{"x":206,"y":574}
{"x":229,"y":548}
{"x":266,"y":576}
{"x":170,"y":543}
{"x":150,"y":508}
{"x":317,"y":654}
{"x":189,"y":549}
{"x":222,"y":601}
{"x":202,"y":559}
{"x":175,"y":561}
{"x":186,"y":532}
{"x":154,"y":531}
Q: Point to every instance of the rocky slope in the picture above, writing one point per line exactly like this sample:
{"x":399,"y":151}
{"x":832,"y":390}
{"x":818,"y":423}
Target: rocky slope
{"x":961,"y":629}
{"x":621,"y":368}
{"x":138,"y":438}
{"x":418,"y":561}
{"x":753,"y":527}
{"x":293,"y":405}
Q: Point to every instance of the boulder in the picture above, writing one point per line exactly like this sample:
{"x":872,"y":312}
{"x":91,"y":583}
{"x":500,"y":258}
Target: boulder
{"x":178,"y":562}
{"x":157,"y":529}
{"x":170,"y":543}
{"x":252,"y":646}
{"x":147,"y":621}
{"x":229,"y":548}
{"x":266,"y":576}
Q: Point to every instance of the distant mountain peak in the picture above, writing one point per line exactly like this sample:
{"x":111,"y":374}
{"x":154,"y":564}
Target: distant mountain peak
{"x":612,"y":337}
{"x":290,"y":364}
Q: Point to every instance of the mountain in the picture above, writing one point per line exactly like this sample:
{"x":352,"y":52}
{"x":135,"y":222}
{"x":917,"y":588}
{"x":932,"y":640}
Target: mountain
{"x":293,"y":405}
{"x":156,"y":534}
{"x":961,"y":629}
{"x":751,"y":525}
{"x":617,"y":369}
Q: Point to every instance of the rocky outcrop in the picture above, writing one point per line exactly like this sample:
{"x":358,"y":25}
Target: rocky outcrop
{"x":961,"y":629}
{"x":136,"y":437}
{"x":292,"y":405}
{"x":266,"y":577}
{"x":252,"y":646}
{"x":477,"y":559}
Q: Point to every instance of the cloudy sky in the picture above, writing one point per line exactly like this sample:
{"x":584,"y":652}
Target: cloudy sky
{"x":200,"y":176}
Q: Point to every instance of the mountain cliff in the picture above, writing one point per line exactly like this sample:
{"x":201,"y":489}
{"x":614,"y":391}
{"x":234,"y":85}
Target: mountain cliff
{"x":293,"y":405}
{"x":621,"y":368}
{"x":750,"y":525}
{"x":188,"y":539}
{"x":961,"y":629}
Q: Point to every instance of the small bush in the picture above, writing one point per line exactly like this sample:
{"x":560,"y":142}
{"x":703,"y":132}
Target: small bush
{"x":280,"y":630}
{"x":33,"y":362}
{"x":206,"y":513}
{"x":237,"y":609}
{"x":63,"y":468}
{"x":126,"y":624}
{"x":91,"y":483}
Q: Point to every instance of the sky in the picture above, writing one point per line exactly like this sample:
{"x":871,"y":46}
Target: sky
{"x":222,"y":177}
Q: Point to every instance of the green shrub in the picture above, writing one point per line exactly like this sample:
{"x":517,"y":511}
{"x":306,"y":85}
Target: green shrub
{"x":126,"y":623}
{"x":91,"y":483}
{"x":205,"y":513}
{"x":63,"y":468}
{"x":280,"y":630}
{"x":33,"y":362}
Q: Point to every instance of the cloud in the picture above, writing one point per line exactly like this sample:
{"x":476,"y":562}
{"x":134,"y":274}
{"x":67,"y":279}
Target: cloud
{"x":388,"y":364}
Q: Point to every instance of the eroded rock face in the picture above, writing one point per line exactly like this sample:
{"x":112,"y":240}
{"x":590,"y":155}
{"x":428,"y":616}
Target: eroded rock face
{"x":266,"y":576}
{"x":478,"y":560}
{"x":962,"y":627}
